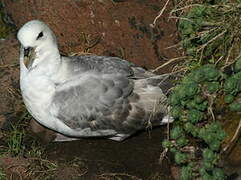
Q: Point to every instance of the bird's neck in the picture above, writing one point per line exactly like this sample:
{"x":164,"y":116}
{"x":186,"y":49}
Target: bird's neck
{"x":47,"y":60}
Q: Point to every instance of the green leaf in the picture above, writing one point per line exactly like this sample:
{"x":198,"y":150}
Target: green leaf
{"x":208,"y":155}
{"x":176,"y":132}
{"x":182,"y":141}
{"x":237,"y":66}
{"x":218,"y":174}
{"x":194,"y":116}
{"x":235,"y":107}
{"x":186,"y":173}
{"x":230,"y":86}
{"x":166,"y":144}
{"x":213,"y":87}
{"x":180,"y":157}
{"x":228,"y":98}
{"x":176,"y":112}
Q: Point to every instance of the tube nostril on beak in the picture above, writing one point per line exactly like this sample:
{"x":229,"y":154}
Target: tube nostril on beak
{"x":26,"y":51}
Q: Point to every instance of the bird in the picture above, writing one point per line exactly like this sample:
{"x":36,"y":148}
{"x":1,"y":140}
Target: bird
{"x":87,"y":96}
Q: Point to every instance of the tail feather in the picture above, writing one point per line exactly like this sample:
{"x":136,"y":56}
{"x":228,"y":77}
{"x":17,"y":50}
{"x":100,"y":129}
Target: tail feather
{"x":140,"y":73}
{"x":151,"y":99}
{"x":164,"y":81}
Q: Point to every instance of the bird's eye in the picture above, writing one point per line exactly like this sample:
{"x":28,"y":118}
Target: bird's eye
{"x":40,"y":35}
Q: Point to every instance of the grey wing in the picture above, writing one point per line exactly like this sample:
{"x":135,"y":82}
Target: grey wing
{"x":103,"y":64}
{"x":107,"y":65}
{"x":93,"y":101}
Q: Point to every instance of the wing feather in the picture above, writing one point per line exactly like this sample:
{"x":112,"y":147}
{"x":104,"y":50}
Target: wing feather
{"x":106,"y":65}
{"x":90,"y":100}
{"x":103,"y":64}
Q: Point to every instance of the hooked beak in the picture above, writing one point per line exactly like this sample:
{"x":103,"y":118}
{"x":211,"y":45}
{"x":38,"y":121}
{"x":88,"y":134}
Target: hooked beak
{"x":29,"y":56}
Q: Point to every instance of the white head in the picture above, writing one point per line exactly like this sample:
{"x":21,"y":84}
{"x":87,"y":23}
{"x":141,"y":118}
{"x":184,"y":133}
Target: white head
{"x":35,"y":33}
{"x":37,"y":41}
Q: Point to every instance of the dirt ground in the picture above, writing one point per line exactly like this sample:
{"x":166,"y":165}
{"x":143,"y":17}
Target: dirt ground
{"x":94,"y":159}
{"x":103,"y":27}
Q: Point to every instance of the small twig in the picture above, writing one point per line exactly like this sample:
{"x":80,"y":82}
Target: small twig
{"x":211,"y":101}
{"x":229,"y":64}
{"x":188,"y":6}
{"x":163,"y":155}
{"x":8,"y":65}
{"x":188,"y":149}
{"x":16,"y":165}
{"x":173,"y":46}
{"x":168,"y":125}
{"x":182,"y":18}
{"x":227,"y":149}
{"x":211,"y":40}
{"x":211,"y":112}
{"x":168,"y":62}
{"x":149,"y":124}
{"x":205,"y":32}
{"x":93,"y":44}
{"x":159,"y":14}
{"x":181,"y":70}
{"x":237,"y":132}
{"x":44,"y":171}
{"x":164,"y":152}
{"x":219,"y":59}
{"x":82,"y":53}
{"x":229,"y":53}
{"x":201,"y":56}
{"x":118,"y":174}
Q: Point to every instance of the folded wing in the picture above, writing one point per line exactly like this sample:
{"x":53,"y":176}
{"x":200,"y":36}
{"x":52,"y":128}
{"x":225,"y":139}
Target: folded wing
{"x":94,"y":101}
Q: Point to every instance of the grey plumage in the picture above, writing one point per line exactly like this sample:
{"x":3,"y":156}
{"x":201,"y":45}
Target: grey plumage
{"x":107,"y":94}
{"x":101,"y":64}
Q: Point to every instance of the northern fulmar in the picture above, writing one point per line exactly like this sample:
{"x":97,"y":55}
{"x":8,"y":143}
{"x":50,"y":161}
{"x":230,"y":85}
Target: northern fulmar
{"x":87,"y":95}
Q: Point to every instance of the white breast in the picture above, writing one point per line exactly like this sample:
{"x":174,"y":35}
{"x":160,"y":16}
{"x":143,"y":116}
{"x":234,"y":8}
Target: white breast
{"x":37,"y":92}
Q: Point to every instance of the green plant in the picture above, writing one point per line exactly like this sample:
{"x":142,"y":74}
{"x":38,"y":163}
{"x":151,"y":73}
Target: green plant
{"x":210,"y":35}
{"x":2,"y":175}
{"x":192,"y":106}
{"x":15,"y":141}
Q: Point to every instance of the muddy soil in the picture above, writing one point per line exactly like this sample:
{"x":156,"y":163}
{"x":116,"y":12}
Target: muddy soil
{"x":94,"y":159}
{"x":103,"y":27}
{"x":135,"y":158}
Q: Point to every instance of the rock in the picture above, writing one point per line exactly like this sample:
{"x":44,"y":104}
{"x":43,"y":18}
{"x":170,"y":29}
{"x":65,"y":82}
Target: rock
{"x":44,"y":134}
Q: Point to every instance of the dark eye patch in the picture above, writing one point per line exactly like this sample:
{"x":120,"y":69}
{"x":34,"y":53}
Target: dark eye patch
{"x":40,"y":35}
